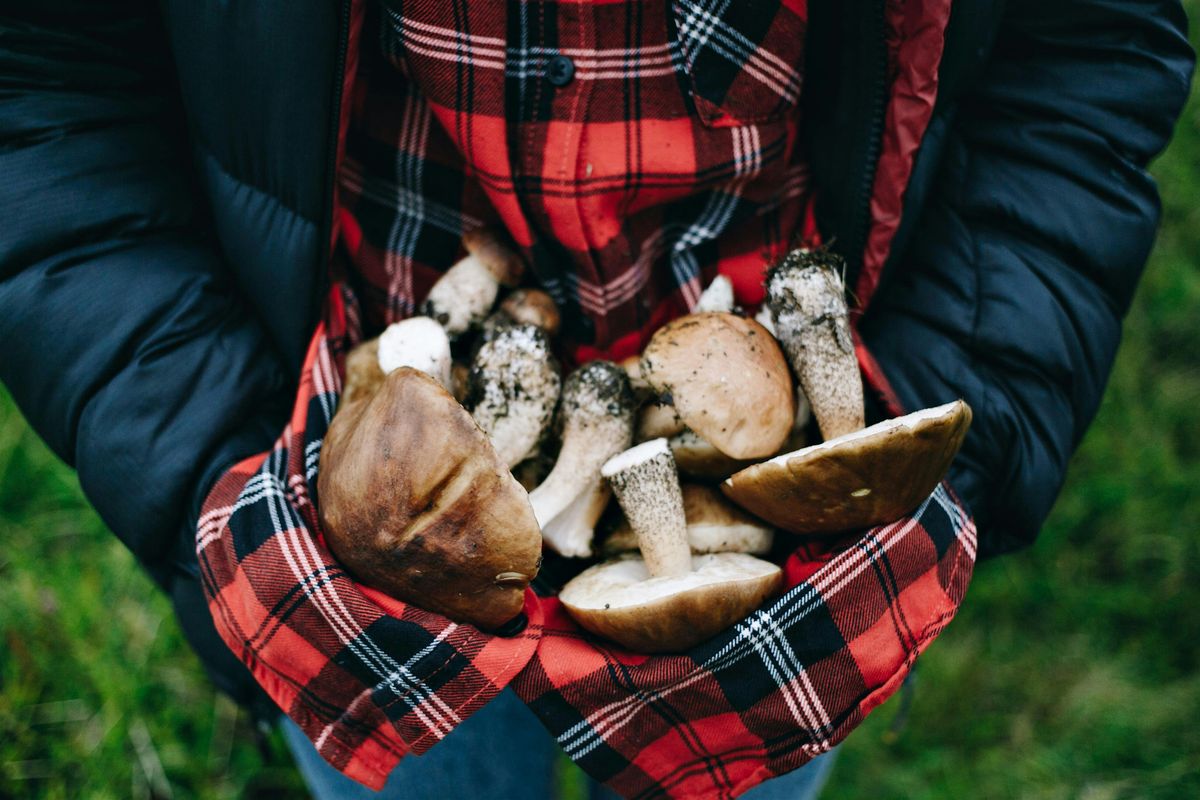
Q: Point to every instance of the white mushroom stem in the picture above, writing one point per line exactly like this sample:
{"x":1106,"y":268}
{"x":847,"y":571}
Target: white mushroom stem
{"x":717,"y":297}
{"x":464,"y":295}
{"x":646,"y":484}
{"x":808,"y":303}
{"x":513,"y":388}
{"x":597,"y":414}
{"x":418,"y":342}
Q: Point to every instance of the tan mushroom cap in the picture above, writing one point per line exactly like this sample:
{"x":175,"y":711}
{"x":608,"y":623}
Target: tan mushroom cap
{"x":620,"y":601}
{"x":533,"y":307}
{"x":714,"y":525}
{"x":363,"y":374}
{"x":870,"y":477}
{"x":728,"y":380}
{"x":415,"y":502}
{"x":497,"y":257}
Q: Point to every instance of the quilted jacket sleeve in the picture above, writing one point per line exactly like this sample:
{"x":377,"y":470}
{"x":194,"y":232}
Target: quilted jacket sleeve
{"x":1036,"y":230}
{"x":124,"y":343}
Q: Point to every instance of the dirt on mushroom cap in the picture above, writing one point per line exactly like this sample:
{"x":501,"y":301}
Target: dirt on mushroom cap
{"x":716,"y":367}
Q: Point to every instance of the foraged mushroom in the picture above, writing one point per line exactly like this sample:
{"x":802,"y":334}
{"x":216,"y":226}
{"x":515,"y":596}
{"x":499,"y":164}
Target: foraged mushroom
{"x":597,"y":421}
{"x":415,"y":502}
{"x":865,"y":478}
{"x":667,"y":600}
{"x":807,"y":299}
{"x":464,"y":295}
{"x":858,"y":477}
{"x":416,"y":342}
{"x":714,"y":525}
{"x":512,"y":390}
{"x":727,"y":380}
{"x":533,"y":307}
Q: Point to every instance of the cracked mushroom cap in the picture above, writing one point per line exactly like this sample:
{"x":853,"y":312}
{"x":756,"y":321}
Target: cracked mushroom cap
{"x":717,"y":366}
{"x":620,"y":601}
{"x":869,"y":477}
{"x":415,"y":502}
{"x":714,"y":525}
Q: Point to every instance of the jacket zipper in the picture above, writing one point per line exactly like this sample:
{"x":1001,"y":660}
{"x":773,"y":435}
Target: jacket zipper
{"x":860,"y":224}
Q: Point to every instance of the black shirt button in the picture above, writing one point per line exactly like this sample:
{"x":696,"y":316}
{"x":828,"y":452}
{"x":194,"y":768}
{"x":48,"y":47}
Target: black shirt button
{"x":560,"y":70}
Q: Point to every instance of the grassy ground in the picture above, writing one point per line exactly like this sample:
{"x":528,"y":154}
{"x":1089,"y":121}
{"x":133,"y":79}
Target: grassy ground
{"x":1072,"y":670}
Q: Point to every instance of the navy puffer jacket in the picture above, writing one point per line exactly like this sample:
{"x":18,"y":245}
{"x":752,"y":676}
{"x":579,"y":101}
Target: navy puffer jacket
{"x":166,"y":173}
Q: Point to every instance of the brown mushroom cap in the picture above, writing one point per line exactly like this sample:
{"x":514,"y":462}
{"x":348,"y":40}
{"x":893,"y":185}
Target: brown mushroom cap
{"x":415,"y":502}
{"x":714,"y":525}
{"x":533,"y":307}
{"x":728,"y":380}
{"x":620,"y":601}
{"x":870,"y":477}
{"x":499,"y":259}
{"x":363,"y":373}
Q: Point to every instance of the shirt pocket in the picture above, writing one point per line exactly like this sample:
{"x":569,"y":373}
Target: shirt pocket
{"x":743,"y":59}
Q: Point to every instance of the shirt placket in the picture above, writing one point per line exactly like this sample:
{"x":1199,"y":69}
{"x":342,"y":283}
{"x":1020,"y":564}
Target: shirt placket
{"x":551,"y":138}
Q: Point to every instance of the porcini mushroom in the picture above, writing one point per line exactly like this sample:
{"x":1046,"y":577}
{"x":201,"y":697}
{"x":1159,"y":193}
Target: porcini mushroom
{"x":416,"y":342}
{"x":597,"y":422}
{"x":532,"y":307}
{"x":857,"y":477}
{"x":415,"y":502}
{"x":666,"y":600}
{"x":464,"y":295}
{"x":513,"y":388}
{"x":727,"y":380}
{"x":864,"y":478}
{"x":714,"y":525}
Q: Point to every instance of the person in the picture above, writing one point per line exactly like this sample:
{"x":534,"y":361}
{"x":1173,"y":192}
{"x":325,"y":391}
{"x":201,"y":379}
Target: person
{"x":181,"y":178}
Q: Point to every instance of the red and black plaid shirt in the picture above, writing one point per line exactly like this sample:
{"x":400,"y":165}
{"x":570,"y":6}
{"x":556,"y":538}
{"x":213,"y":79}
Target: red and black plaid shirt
{"x":632,"y":149}
{"x":669,"y":154}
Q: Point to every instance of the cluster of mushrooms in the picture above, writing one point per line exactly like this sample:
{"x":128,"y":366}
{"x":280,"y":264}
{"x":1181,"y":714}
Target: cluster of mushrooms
{"x":459,"y":451}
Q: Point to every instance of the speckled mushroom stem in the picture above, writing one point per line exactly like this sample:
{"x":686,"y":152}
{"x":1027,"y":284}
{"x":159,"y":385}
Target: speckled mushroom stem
{"x":807,"y":299}
{"x":646,"y":484}
{"x":512,"y":390}
{"x":597,"y":413}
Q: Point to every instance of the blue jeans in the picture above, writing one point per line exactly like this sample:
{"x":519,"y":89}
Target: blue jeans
{"x":501,"y":752}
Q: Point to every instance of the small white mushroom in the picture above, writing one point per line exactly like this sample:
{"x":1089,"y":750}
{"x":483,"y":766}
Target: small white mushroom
{"x":808,"y":304}
{"x":513,"y":388}
{"x":464,"y":295}
{"x":597,"y":420}
{"x":717,"y":297}
{"x":417,"y":342}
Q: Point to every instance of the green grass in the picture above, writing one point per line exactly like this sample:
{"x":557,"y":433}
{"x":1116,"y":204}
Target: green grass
{"x":1071,"y":671}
